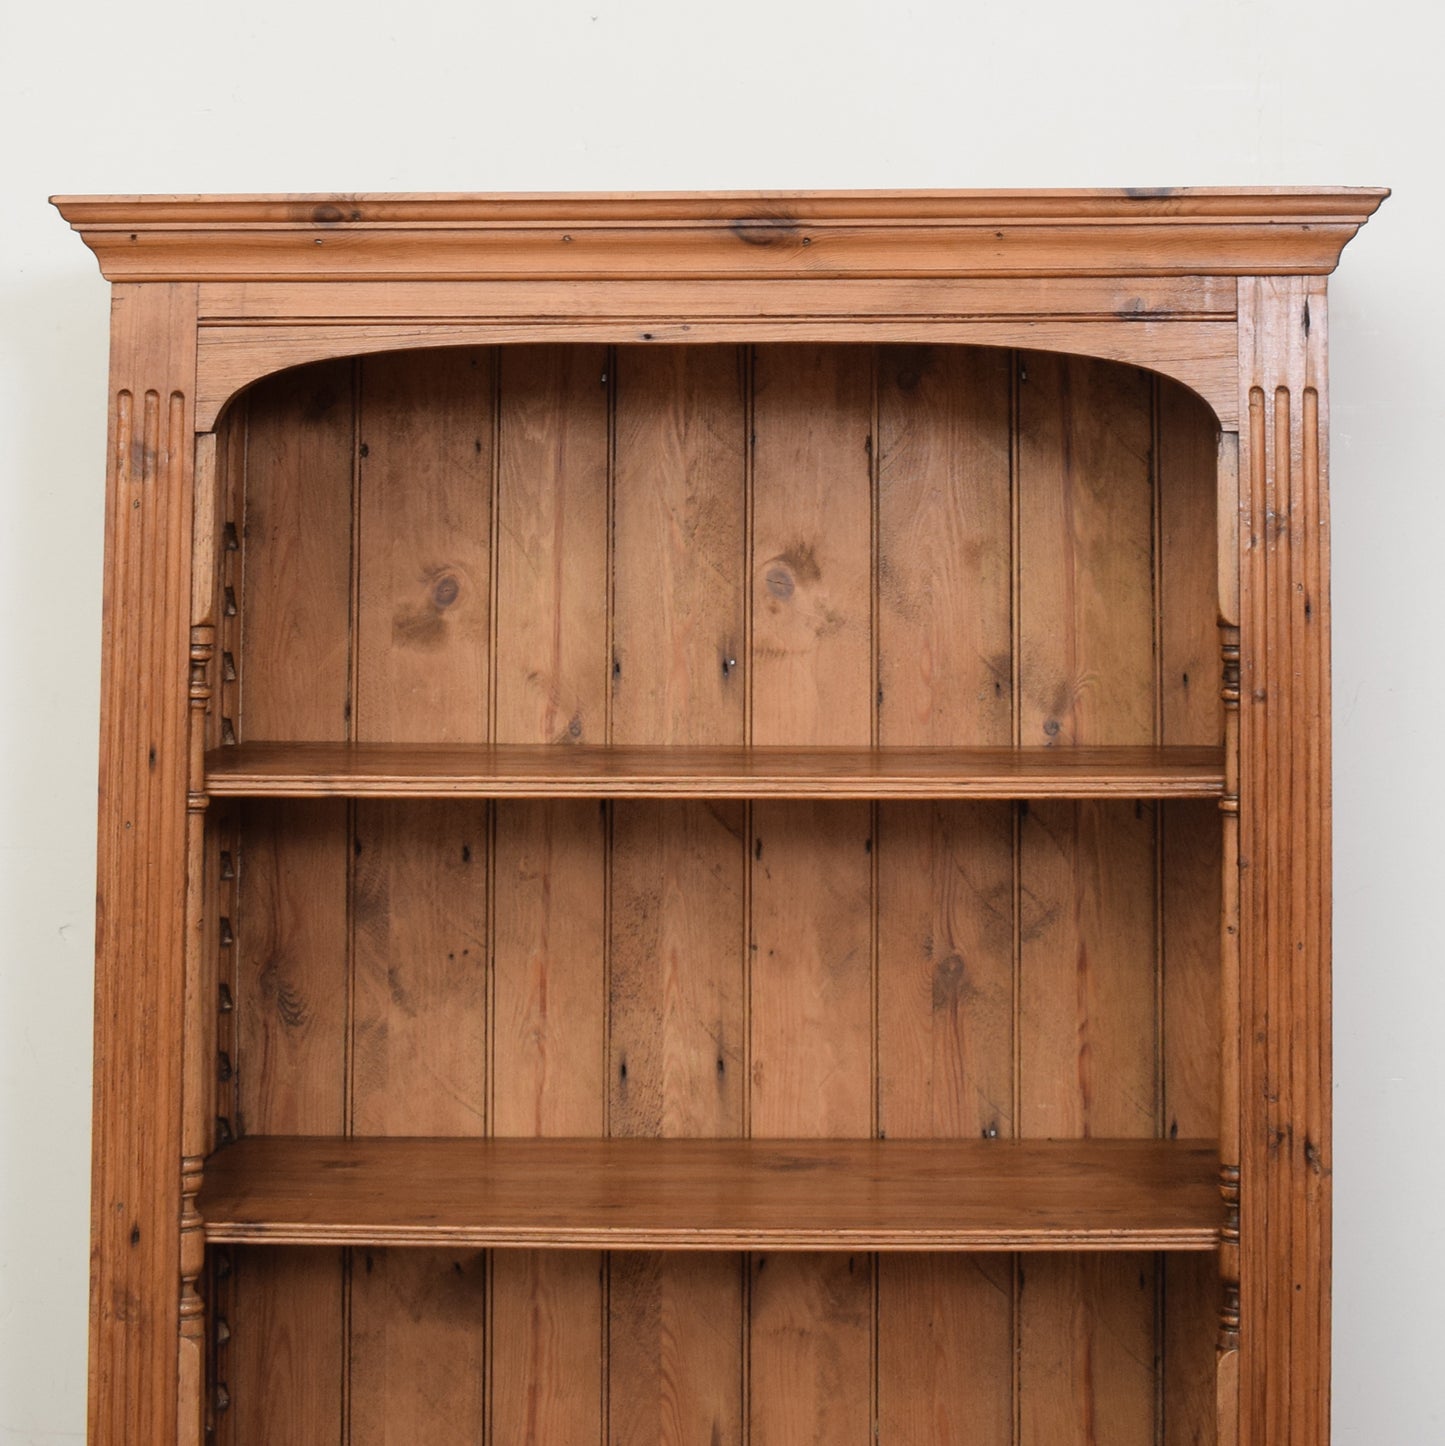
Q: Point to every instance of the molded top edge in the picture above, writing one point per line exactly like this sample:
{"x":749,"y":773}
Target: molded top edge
{"x":1155,"y":231}
{"x":1255,"y":202}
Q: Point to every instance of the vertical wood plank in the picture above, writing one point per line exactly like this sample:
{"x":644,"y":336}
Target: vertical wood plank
{"x":420,"y":869}
{"x":675,"y":1348}
{"x":677,"y":1056}
{"x":945,"y":872}
{"x":418,"y":1068}
{"x":1190,"y":859}
{"x":679,"y":518}
{"x":296,"y":588}
{"x":1087,"y":1026}
{"x":417,"y":1342}
{"x":811,"y":1026}
{"x":1086,"y":608}
{"x":287,"y":1346}
{"x":292,"y":969}
{"x":1089,"y":1377}
{"x":552,"y":521}
{"x":549,"y":867}
{"x":944,"y":568}
{"x":424,"y":563}
{"x":420,"y":922}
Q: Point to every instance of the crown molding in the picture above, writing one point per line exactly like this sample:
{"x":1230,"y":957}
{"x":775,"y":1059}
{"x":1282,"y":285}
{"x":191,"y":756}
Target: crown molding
{"x":760,"y":235}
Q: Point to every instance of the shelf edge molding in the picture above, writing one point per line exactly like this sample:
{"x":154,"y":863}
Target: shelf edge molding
{"x":304,"y":770}
{"x":635,"y":1194}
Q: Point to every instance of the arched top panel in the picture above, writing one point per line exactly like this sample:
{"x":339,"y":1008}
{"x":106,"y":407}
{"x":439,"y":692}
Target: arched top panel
{"x":1202,"y":355}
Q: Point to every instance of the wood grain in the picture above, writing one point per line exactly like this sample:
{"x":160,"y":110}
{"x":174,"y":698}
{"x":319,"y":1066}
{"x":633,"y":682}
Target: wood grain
{"x":945,"y":871}
{"x":677,"y":1064}
{"x":295,"y":645}
{"x":287,"y":1337}
{"x":286,"y":1347}
{"x":675,"y":1347}
{"x":1091,"y":1378}
{"x":140,"y":871}
{"x":419,"y":904}
{"x":1190,"y":883}
{"x":1183,"y":231}
{"x":811,"y":938}
{"x":552,"y":526}
{"x":418,"y":1054}
{"x":417,"y":1343}
{"x":424,"y":547}
{"x":549,"y":867}
{"x":1088,"y":1028}
{"x":1197,"y":352}
{"x":1284,"y":1337}
{"x":249,"y":302}
{"x":292,"y":946}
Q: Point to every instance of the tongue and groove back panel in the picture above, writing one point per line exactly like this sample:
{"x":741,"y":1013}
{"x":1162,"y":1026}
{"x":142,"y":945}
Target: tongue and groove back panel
{"x":775,"y":544}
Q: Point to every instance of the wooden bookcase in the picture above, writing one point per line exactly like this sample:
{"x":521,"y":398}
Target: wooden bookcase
{"x":715,"y":819}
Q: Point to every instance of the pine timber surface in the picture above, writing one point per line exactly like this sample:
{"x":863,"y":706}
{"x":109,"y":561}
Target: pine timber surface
{"x":383,"y":770}
{"x":627,"y":1194}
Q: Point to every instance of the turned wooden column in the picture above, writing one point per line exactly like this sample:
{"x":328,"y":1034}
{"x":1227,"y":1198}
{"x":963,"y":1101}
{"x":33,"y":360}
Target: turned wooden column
{"x":136,"y":1186}
{"x":1284,"y":864}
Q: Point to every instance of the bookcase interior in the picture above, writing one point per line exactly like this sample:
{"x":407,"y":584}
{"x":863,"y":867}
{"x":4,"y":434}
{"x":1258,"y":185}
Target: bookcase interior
{"x":882,"y":546}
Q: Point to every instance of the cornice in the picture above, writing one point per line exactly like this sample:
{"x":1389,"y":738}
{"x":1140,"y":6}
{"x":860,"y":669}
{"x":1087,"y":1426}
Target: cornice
{"x":717,"y":235}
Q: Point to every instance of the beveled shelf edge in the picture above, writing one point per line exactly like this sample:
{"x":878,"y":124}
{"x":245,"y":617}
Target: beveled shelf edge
{"x":1036,"y":1241}
{"x":1147,"y":231}
{"x":272,"y":771}
{"x":909,"y":1195}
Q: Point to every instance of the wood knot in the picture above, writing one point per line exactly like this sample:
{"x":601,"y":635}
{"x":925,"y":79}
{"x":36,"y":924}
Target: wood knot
{"x":764,"y":230}
{"x":950,"y":983}
{"x":780,"y":582}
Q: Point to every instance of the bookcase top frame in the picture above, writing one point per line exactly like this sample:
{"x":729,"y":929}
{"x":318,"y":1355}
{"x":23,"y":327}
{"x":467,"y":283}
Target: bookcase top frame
{"x":725,"y":234}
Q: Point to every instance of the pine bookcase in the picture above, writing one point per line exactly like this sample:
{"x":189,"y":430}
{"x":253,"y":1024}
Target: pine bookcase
{"x":714,"y":819}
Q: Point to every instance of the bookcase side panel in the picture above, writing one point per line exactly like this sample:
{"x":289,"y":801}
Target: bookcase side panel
{"x":140,"y":890}
{"x":1284,"y":1326}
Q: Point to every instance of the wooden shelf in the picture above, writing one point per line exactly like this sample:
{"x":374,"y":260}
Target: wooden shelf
{"x":716,"y":1194}
{"x":384,"y":770}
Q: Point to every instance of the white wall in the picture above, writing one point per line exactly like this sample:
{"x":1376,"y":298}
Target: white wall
{"x":634,"y":94}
